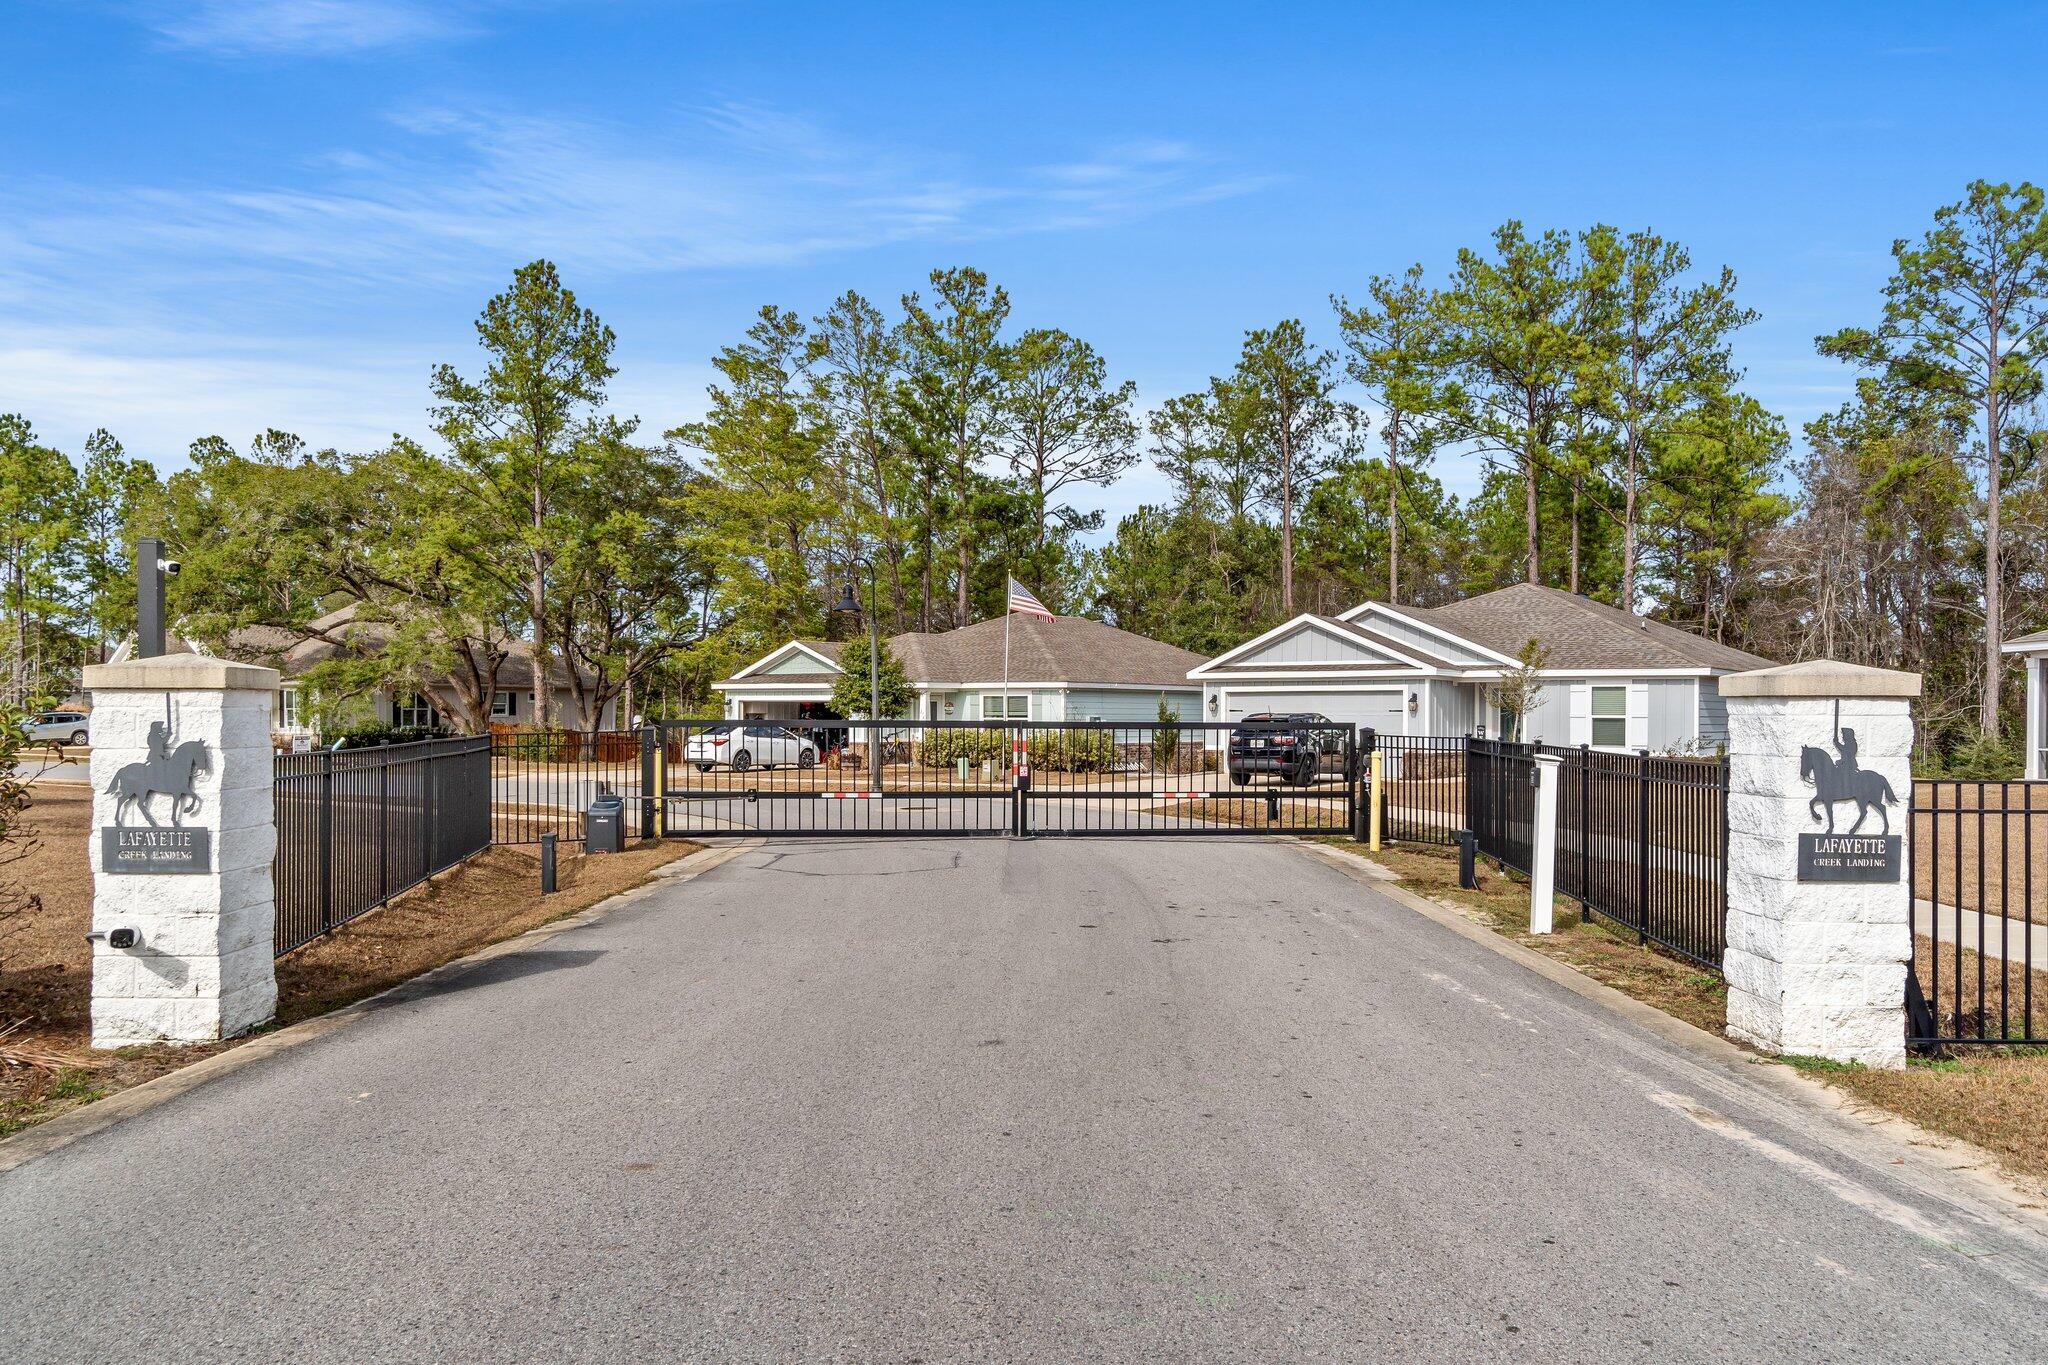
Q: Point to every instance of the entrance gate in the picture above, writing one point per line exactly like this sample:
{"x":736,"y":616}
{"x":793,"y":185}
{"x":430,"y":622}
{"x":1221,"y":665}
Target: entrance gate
{"x":830,"y":778}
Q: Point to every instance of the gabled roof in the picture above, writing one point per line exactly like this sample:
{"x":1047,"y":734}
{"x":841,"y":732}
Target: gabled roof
{"x":1578,"y":632}
{"x":1396,"y":656}
{"x":2036,"y":643}
{"x":1065,"y":649}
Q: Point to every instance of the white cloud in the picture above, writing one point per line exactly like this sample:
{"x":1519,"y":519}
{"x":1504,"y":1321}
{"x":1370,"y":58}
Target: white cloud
{"x":458,"y":191}
{"x":318,"y":27}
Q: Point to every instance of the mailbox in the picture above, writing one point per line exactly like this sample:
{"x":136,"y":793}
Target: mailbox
{"x":604,"y":824}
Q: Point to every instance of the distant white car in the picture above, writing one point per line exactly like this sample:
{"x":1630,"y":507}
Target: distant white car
{"x":55,"y":727}
{"x":749,"y":744}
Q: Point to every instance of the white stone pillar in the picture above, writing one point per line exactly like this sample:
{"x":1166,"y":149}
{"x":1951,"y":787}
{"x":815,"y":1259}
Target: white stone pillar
{"x":184,"y":831}
{"x":1819,"y":925}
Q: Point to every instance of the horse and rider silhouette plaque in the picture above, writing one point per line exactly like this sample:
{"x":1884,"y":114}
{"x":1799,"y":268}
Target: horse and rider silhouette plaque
{"x":1850,"y":855}
{"x":154,"y":848}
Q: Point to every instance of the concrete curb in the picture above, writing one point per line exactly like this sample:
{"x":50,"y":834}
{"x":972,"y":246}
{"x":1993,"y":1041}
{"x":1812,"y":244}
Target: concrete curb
{"x":65,"y":1129}
{"x":1951,"y":1157}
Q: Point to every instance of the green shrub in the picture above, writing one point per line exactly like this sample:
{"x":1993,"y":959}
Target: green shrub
{"x":1980,"y":760}
{"x":370,"y":736}
{"x":944,"y":746}
{"x":1166,"y":739}
{"x":1074,"y":751}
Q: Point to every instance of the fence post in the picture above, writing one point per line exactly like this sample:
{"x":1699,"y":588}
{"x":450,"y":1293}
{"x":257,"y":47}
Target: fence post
{"x":1819,"y":929}
{"x":183,"y":957}
{"x":1585,"y":832}
{"x":648,"y":740}
{"x":1543,"y":845}
{"x":325,"y":825}
{"x":431,"y":802}
{"x":1643,"y":847}
{"x":384,"y":831}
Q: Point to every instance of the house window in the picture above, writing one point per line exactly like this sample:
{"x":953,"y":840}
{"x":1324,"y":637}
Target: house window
{"x":288,"y":709}
{"x":1006,"y":706}
{"x":1610,"y":717}
{"x":415,"y":713}
{"x":504,"y":705}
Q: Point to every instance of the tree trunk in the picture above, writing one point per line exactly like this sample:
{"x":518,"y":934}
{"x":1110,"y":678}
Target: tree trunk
{"x":1394,"y":507}
{"x":1628,"y":528}
{"x":1530,"y":525}
{"x":1576,"y":483}
{"x":1286,"y":526}
{"x":1994,"y":606}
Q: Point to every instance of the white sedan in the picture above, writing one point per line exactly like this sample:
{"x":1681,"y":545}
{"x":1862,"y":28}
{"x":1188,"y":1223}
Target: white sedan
{"x":749,"y":744}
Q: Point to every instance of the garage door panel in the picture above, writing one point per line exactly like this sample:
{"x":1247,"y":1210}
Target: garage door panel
{"x":1380,"y":710}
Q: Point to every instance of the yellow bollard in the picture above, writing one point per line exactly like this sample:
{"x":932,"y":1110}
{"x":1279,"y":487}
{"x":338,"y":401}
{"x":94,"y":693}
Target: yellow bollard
{"x":1377,"y":774}
{"x":661,"y":785}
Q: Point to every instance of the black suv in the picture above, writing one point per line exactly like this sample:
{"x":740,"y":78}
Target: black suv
{"x":1295,"y":747}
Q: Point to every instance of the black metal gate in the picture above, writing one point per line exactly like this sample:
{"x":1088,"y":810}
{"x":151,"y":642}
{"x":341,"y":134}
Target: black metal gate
{"x":1977,"y":860}
{"x":963,"y":778}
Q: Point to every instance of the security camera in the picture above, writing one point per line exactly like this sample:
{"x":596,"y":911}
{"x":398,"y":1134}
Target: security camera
{"x":117,"y":938}
{"x":170,"y":567}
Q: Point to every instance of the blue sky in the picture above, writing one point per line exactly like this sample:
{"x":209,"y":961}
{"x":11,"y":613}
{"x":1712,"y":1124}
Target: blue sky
{"x":220,"y":215}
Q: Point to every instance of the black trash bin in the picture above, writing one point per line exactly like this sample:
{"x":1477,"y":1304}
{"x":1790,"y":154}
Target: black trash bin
{"x":604,"y":824}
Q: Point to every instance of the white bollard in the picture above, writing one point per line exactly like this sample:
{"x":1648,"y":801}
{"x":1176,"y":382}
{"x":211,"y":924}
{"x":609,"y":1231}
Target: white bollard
{"x":185,"y":829}
{"x":1543,"y":853}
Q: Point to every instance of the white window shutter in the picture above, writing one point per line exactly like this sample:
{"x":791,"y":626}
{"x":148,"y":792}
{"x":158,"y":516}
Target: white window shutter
{"x":1638,"y":715}
{"x":1582,"y":714}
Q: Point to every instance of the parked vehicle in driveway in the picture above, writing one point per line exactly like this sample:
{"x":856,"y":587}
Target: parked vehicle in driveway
{"x":1294,"y":747}
{"x":55,"y":727}
{"x":749,"y":744}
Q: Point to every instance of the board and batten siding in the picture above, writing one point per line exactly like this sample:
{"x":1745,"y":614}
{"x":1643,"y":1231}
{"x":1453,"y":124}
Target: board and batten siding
{"x":1126,"y":704}
{"x":1672,"y":713}
{"x":1713,"y":717}
{"x":1408,"y":634}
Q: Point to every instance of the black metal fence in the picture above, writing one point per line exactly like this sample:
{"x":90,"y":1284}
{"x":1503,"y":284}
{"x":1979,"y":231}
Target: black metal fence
{"x":840,"y":777}
{"x":1422,"y":786}
{"x":1642,"y":840}
{"x":357,"y":827}
{"x":542,"y":782}
{"x":1978,"y":863}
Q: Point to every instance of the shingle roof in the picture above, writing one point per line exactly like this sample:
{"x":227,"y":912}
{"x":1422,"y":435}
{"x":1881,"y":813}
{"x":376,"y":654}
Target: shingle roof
{"x":1579,"y":632}
{"x":2039,"y":637}
{"x":292,"y":653}
{"x":1065,"y":649}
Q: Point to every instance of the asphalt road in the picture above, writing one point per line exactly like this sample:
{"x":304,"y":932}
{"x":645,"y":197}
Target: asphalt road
{"x":991,"y":1100}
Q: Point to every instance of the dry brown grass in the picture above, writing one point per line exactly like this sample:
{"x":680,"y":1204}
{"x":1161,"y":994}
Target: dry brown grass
{"x":1996,"y":1099}
{"x":1670,"y":983}
{"x":47,"y":1066}
{"x":1980,"y":996}
{"x":1252,"y":810}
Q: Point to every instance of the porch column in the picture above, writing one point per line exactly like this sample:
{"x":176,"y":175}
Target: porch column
{"x":2037,"y":714}
{"x":1819,"y":912}
{"x":184,"y":833}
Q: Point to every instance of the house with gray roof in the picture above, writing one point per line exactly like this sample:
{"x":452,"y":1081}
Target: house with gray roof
{"x":2032,"y":651}
{"x":1062,"y":668}
{"x":1610,"y":679}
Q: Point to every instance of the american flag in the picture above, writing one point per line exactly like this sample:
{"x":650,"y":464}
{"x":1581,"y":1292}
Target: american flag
{"x":1022,"y":600}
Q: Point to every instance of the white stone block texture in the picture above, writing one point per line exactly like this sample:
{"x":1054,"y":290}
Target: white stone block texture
{"x":204,"y":970}
{"x":1815,"y":968}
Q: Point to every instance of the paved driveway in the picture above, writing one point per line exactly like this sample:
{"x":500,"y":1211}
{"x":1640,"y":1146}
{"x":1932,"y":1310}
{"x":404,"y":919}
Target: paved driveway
{"x":984,"y":1100}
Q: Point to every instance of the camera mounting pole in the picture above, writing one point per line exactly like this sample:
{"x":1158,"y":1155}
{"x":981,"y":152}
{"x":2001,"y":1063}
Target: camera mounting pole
{"x":149,"y":597}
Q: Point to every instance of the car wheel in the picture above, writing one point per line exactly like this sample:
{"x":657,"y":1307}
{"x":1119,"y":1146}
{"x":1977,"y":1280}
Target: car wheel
{"x":743,"y":760}
{"x":807,"y":758}
{"x":703,"y":767}
{"x":77,"y":737}
{"x":1239,"y":779}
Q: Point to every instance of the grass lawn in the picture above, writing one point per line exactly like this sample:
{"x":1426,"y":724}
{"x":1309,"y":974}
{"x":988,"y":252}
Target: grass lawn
{"x":46,"y":1064}
{"x":1993,"y":1097}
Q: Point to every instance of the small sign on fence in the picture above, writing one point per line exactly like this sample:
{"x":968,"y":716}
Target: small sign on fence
{"x":155,"y":851}
{"x":1850,"y":857}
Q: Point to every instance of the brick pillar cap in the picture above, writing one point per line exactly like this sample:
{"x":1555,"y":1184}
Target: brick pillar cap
{"x":179,"y":673}
{"x":1823,"y":678}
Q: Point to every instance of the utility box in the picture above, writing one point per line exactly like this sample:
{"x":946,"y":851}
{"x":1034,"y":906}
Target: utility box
{"x":604,"y":825}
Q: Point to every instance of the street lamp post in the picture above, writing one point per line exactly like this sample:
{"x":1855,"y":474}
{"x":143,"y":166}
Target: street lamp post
{"x":847,"y":603}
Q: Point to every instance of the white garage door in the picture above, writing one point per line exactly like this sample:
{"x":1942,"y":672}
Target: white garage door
{"x":1380,"y":710}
